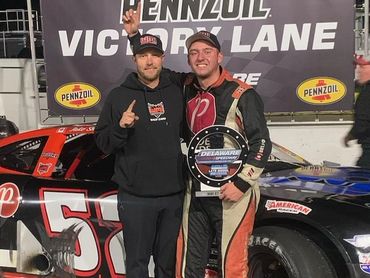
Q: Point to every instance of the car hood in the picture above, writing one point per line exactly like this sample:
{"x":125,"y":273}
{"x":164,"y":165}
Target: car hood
{"x":344,"y":184}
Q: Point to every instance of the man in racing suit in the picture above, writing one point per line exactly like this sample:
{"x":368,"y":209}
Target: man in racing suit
{"x":214,"y":97}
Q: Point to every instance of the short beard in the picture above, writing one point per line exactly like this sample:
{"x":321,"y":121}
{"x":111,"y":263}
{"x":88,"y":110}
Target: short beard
{"x":147,"y":79}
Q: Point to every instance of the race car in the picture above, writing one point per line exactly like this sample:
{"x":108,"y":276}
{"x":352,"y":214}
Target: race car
{"x":312,"y":221}
{"x":58,"y":215}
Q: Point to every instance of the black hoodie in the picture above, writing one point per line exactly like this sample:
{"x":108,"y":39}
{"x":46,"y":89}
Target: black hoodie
{"x":148,"y":157}
{"x":361,"y":125}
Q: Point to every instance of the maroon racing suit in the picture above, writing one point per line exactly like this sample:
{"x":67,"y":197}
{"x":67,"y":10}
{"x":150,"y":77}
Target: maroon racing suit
{"x":234,"y":104}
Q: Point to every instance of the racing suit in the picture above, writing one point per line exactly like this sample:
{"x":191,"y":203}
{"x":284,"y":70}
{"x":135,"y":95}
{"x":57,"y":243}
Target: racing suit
{"x":234,"y":104}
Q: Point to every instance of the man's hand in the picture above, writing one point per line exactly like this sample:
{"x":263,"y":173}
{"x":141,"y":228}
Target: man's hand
{"x":131,"y":20}
{"x":229,"y":192}
{"x":348,"y":138}
{"x":128,"y":117}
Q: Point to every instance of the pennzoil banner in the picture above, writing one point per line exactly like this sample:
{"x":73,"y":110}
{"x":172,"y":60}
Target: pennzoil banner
{"x":297,"y":54}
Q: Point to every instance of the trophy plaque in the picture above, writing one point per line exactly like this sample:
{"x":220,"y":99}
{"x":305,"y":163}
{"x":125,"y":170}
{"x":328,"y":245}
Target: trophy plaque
{"x":216,"y":154}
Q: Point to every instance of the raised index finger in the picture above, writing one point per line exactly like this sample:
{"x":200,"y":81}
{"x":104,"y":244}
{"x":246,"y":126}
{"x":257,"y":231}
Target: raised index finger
{"x":131,"y":106}
{"x":138,"y":9}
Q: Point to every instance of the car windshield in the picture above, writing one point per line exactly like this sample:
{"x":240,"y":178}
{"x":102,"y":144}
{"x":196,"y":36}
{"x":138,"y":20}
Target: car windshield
{"x":81,"y":159}
{"x":279,"y":153}
{"x":282,"y":159}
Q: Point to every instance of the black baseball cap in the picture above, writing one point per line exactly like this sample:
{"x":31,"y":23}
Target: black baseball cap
{"x":203,"y":36}
{"x":147,"y":41}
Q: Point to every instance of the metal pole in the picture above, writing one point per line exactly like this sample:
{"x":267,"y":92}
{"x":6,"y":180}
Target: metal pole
{"x":33,"y":56}
{"x":4,"y":44}
{"x":366,"y":28}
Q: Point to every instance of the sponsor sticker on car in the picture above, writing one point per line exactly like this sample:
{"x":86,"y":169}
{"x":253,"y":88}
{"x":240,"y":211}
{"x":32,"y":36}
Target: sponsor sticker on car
{"x":9,"y":199}
{"x":317,"y":170}
{"x":287,"y":207}
{"x":362,"y":244}
{"x":43,"y":168}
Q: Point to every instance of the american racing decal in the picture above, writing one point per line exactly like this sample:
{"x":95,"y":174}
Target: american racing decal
{"x":321,"y":90}
{"x":287,"y":207}
{"x":9,"y":199}
{"x":156,"y":111}
{"x":77,"y":95}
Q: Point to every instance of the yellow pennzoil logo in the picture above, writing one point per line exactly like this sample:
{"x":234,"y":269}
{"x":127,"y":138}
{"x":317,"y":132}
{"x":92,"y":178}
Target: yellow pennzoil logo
{"x":77,"y":95}
{"x":321,"y":90}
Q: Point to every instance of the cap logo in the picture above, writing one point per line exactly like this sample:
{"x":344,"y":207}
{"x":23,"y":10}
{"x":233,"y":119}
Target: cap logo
{"x":205,"y":33}
{"x":148,"y":40}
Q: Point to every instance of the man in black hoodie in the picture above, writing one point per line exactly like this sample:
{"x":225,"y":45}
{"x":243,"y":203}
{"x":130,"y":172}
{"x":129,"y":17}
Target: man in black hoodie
{"x":140,"y":124}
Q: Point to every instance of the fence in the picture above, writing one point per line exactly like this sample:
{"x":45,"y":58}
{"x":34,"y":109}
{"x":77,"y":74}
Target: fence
{"x":14,"y":32}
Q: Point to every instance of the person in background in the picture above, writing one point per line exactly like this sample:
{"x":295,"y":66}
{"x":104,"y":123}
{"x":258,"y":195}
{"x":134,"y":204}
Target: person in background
{"x":361,"y":125}
{"x":7,"y":128}
{"x":26,"y":50}
{"x":214,"y":97}
{"x":140,"y":124}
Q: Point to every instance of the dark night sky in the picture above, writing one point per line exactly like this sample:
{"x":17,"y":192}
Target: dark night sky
{"x":18,"y":4}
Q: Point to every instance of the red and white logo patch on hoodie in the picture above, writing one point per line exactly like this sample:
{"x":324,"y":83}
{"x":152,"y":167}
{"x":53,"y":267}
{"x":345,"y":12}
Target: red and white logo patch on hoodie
{"x":156,"y":112}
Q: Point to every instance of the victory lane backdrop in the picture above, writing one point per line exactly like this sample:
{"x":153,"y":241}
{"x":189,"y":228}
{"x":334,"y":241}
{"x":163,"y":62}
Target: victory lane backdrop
{"x":297,"y":54}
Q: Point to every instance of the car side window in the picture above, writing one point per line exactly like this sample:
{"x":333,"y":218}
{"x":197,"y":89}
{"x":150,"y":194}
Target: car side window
{"x":95,"y":165}
{"x":82,"y":160}
{"x":22,"y":155}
